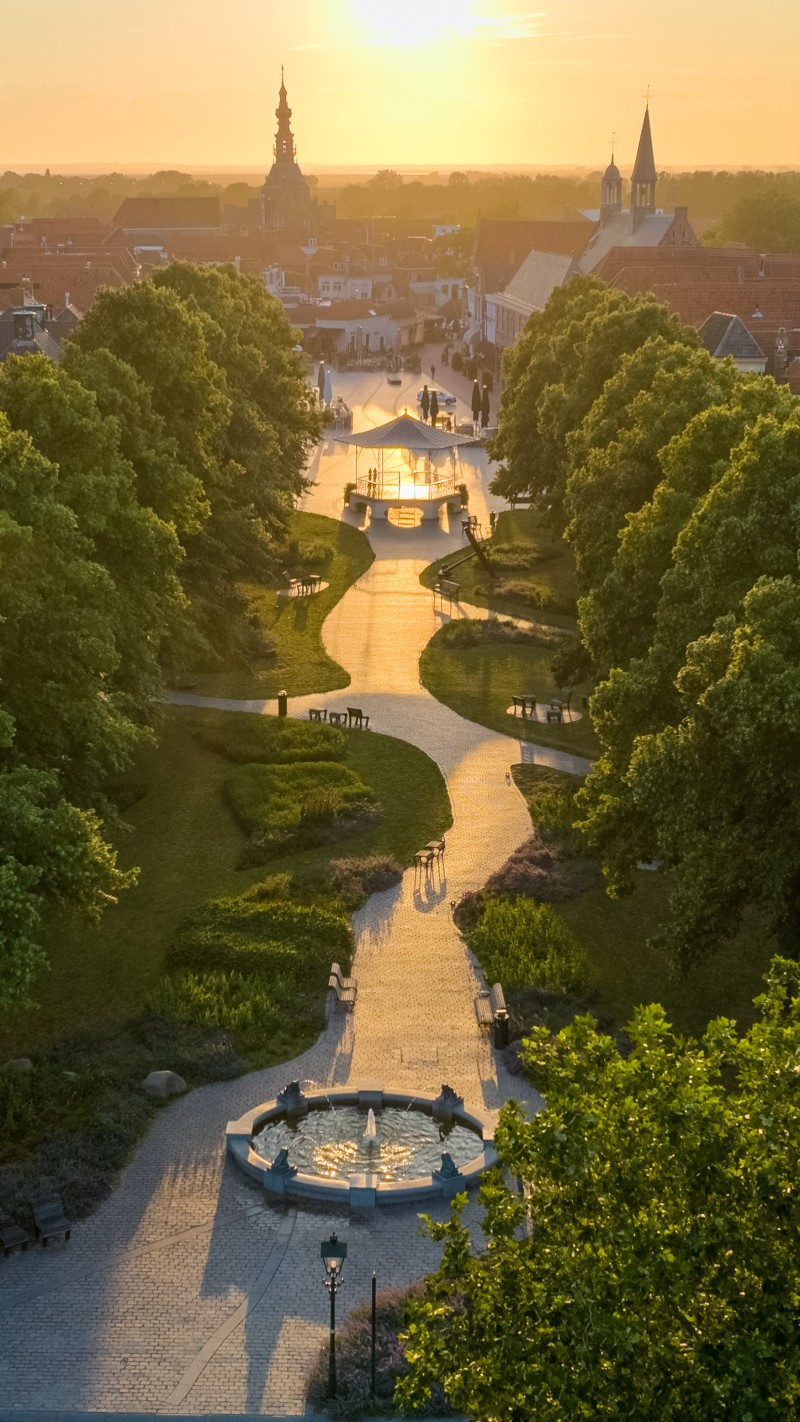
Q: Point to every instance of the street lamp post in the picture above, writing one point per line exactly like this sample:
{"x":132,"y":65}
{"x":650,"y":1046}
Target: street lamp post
{"x":333,"y":1254}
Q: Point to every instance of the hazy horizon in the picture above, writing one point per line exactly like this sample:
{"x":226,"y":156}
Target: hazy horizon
{"x":373,"y":85}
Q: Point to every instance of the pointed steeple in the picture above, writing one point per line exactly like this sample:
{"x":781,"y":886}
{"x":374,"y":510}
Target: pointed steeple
{"x":644,"y":176}
{"x":284,"y":138}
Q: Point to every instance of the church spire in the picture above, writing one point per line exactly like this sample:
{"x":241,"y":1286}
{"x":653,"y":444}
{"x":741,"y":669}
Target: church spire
{"x":611,"y":187}
{"x":284,"y":138}
{"x":644,"y":176}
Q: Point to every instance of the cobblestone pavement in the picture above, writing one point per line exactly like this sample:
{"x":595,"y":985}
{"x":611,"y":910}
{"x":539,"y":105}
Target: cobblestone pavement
{"x":187,"y":1293}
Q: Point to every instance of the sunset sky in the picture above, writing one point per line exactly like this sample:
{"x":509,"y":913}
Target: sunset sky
{"x":428,"y":82}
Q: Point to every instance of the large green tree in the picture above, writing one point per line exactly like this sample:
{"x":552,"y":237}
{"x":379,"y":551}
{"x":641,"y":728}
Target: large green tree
{"x":618,"y":609}
{"x":767,"y":221}
{"x":138,"y":552}
{"x":554,"y":374}
{"x":649,"y":1267}
{"x":698,"y":769}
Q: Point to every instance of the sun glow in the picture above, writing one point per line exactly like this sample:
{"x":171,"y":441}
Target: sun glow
{"x":416,"y":22}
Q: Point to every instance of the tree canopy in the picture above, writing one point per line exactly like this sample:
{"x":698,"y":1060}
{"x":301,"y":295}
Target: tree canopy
{"x":649,"y":1265}
{"x":140,"y":480}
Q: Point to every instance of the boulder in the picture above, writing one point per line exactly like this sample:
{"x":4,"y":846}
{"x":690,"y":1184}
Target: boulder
{"x":162,"y":1084}
{"x":18,"y":1064}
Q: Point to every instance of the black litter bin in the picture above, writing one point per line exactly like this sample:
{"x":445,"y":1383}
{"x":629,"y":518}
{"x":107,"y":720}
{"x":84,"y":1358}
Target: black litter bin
{"x":283,"y":703}
{"x":501,"y":1030}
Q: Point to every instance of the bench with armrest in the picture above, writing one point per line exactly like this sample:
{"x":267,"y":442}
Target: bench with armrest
{"x":12,"y":1235}
{"x":49,"y":1219}
{"x":346,"y":996}
{"x":344,"y":982}
{"x":355,"y":716}
{"x":491,"y":1011}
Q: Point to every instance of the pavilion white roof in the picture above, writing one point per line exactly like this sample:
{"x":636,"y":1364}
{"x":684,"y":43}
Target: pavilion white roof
{"x":404,"y":432}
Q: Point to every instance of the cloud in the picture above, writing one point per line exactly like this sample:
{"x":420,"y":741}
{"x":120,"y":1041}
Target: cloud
{"x":500,"y":29}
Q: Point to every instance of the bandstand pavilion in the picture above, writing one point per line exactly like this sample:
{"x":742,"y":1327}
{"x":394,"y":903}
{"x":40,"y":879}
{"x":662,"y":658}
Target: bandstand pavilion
{"x":413,"y":466}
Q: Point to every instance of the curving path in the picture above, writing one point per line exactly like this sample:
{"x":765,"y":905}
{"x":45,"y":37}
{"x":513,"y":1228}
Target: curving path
{"x":186,"y":1292}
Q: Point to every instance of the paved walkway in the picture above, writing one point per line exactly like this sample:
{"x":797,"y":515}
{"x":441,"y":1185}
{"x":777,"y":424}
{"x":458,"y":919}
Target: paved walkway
{"x":186,"y":1293}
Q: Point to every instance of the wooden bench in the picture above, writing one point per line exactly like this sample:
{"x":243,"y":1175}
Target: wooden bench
{"x":49,"y":1219}
{"x":12,"y":1235}
{"x":491,"y":1011}
{"x":356,"y":716}
{"x":317,"y":713}
{"x":346,"y":996}
{"x":337,"y":718}
{"x":344,"y":982}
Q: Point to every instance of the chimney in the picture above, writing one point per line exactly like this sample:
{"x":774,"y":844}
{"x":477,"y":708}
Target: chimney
{"x":66,"y":298}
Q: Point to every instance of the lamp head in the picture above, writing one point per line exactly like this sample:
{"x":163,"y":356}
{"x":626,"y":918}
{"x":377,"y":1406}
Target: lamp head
{"x":334,"y":1253}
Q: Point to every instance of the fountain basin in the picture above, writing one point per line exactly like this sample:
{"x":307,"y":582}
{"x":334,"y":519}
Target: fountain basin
{"x":426,"y":1147}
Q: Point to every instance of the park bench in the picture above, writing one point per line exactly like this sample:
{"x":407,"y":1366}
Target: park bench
{"x":317,"y":713}
{"x":337,"y":718}
{"x":49,"y":1219}
{"x":355,"y":716}
{"x":12,"y":1235}
{"x":346,"y":996}
{"x":526,"y":704}
{"x":343,"y":982}
{"x":491,"y":1011}
{"x":436,"y":846}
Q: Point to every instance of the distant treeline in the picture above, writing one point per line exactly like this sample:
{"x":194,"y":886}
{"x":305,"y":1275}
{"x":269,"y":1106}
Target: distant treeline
{"x":460,"y":197}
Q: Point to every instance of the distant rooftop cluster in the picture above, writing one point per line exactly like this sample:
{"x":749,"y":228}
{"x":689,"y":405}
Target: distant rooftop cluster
{"x":373,"y":285}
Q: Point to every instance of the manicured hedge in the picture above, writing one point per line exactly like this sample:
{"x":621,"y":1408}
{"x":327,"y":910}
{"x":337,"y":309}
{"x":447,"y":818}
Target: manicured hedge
{"x":272,"y":740}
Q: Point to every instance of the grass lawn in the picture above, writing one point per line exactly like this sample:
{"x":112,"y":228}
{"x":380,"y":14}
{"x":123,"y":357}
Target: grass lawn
{"x":614,"y":934}
{"x":480,"y":682}
{"x":187,"y":843}
{"x":549,"y":578}
{"x":301,"y":664}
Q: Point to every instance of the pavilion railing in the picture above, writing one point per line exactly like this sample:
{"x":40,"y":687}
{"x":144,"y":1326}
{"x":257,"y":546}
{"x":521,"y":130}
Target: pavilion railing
{"x":388,"y":486}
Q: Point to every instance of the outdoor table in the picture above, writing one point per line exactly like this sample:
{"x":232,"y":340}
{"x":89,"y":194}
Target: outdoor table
{"x":314,"y":580}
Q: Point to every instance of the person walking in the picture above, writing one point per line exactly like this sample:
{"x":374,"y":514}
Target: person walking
{"x":476,"y":407}
{"x":433,"y":373}
{"x":485,"y":407}
{"x":321,"y":381}
{"x":434,"y":408}
{"x":425,"y":403}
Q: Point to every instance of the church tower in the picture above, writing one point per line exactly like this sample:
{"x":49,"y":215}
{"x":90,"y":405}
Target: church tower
{"x":286,"y":200}
{"x":610,"y":190}
{"x":644,"y":176}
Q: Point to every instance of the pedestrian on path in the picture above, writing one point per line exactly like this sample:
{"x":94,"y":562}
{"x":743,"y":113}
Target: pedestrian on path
{"x":485,"y":407}
{"x":476,"y":407}
{"x":425,"y":403}
{"x":433,"y":373}
{"x":321,"y":381}
{"x":434,"y":408}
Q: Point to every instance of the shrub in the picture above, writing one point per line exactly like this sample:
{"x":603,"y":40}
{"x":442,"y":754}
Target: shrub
{"x":272,"y":740}
{"x":287,"y":807}
{"x":477,"y":631}
{"x":539,"y":598}
{"x":464,"y":495}
{"x":257,"y":968}
{"x":353,"y":1361}
{"x":72,"y":1123}
{"x":315,"y":553}
{"x":524,"y":944}
{"x":349,"y":488}
{"x":356,"y":878}
{"x":245,"y":1005}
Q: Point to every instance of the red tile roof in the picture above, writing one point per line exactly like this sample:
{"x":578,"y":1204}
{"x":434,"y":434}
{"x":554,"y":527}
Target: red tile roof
{"x":500,"y":243}
{"x":148,"y":214}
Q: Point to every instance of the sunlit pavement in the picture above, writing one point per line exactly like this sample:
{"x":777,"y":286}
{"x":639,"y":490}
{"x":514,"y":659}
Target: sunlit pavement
{"x":187,"y":1293}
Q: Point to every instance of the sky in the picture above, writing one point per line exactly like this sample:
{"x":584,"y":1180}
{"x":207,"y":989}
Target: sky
{"x":430,"y":83}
